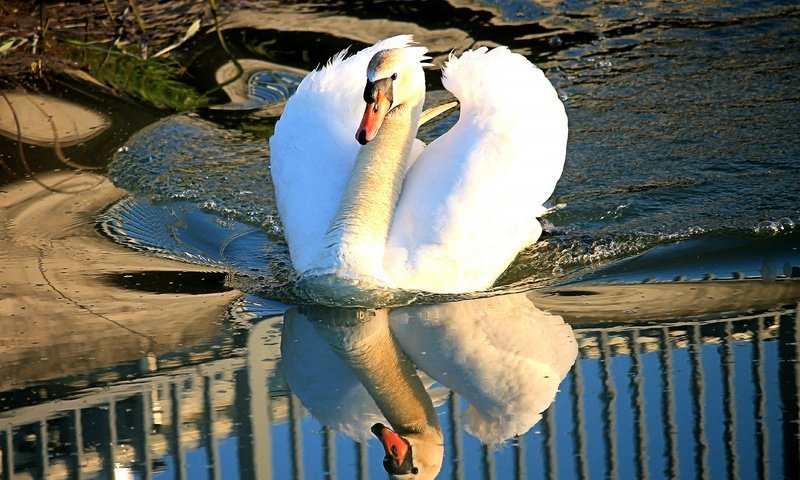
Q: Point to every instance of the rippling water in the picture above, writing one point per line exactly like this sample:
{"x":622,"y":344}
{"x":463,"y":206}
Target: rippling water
{"x":670,"y":259}
{"x":679,"y":129}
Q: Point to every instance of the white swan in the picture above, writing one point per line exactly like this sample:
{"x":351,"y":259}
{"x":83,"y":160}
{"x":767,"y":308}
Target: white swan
{"x":446,"y":218}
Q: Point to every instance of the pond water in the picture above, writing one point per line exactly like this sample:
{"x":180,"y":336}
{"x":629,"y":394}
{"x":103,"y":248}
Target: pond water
{"x":151,"y":327}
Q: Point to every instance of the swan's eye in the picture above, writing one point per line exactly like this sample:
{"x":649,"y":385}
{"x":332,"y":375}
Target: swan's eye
{"x":394,"y":76}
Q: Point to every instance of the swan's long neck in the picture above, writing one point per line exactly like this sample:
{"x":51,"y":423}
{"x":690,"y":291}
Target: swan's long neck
{"x":356,"y":240}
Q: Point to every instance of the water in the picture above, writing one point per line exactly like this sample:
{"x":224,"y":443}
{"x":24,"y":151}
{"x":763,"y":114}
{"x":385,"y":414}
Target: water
{"x":150,"y":322}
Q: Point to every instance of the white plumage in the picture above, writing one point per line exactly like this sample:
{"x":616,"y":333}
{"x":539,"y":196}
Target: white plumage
{"x":469,"y":200}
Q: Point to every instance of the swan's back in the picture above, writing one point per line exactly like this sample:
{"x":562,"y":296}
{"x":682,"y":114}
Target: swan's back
{"x":469,"y":203}
{"x":313,"y":148}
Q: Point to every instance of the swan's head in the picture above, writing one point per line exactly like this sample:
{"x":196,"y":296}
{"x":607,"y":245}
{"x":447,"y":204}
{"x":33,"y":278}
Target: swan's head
{"x":394,"y":78}
{"x":413,"y":455}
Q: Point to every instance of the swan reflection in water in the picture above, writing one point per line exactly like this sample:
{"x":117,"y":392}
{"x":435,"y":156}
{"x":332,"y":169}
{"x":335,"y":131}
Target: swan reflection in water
{"x":374,"y":370}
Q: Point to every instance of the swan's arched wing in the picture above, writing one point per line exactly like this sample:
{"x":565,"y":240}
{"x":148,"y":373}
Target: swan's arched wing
{"x":469,"y":203}
{"x":313,"y":148}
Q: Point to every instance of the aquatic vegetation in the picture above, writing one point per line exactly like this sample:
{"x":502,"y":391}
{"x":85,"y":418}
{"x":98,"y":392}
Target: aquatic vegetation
{"x":156,"y":80}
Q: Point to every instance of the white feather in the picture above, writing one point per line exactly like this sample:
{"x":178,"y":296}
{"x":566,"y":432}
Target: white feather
{"x":313,"y":148}
{"x":470,"y":200}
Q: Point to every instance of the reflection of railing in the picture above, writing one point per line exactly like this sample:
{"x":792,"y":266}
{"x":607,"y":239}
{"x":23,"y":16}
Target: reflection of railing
{"x":708,"y":399}
{"x":115,"y":428}
{"x":698,"y":400}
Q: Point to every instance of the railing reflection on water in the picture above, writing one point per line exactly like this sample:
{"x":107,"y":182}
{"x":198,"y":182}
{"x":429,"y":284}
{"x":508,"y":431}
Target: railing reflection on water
{"x":708,"y":414}
{"x":705,"y":399}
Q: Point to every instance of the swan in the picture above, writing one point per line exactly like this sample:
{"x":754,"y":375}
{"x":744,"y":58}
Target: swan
{"x":364,"y":203}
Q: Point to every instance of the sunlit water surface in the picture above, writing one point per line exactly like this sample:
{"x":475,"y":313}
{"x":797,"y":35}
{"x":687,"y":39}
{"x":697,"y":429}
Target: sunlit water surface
{"x":668,"y":271}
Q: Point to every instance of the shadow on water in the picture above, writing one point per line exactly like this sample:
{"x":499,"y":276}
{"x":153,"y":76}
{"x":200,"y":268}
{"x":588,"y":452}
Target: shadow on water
{"x":149,"y":328}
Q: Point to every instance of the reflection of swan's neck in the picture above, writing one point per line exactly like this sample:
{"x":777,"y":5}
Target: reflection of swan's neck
{"x":362,"y":338}
{"x":386,"y":372}
{"x":355,"y":242}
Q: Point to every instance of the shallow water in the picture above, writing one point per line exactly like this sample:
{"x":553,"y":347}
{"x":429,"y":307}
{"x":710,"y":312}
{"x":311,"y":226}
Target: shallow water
{"x":150,"y":321}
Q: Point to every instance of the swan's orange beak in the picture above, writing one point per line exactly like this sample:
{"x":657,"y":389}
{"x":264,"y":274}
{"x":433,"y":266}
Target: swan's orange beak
{"x":398,"y":459}
{"x":373,"y":117}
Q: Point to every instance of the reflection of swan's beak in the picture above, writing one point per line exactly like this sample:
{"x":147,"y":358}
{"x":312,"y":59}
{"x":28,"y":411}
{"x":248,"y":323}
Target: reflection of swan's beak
{"x":378,"y":96}
{"x":398,"y":459}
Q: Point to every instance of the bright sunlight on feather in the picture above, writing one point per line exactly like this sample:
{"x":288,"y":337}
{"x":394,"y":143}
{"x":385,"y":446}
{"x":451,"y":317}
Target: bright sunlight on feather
{"x":446,"y":218}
